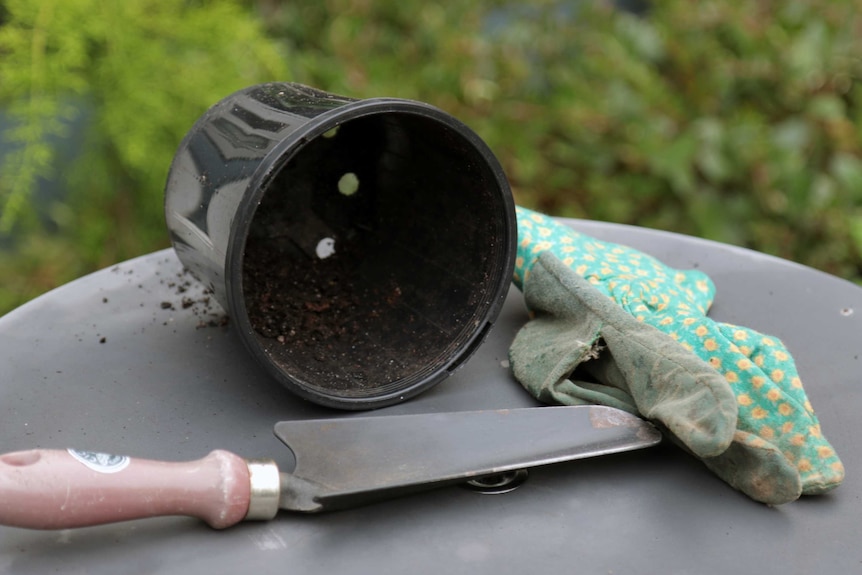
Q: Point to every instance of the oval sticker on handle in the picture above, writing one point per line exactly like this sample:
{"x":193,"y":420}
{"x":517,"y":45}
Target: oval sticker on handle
{"x":101,"y":462}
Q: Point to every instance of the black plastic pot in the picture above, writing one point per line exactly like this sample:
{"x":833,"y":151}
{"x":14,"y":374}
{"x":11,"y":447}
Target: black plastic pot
{"x":363,"y":248}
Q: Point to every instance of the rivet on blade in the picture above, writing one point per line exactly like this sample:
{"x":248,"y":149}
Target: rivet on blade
{"x":498,"y":483}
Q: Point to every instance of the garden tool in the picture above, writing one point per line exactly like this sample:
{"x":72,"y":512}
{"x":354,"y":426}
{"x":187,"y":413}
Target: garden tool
{"x":340,"y":462}
{"x":614,"y":326}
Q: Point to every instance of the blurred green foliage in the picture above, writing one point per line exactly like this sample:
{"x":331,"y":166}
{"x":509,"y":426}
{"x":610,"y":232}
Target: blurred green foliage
{"x":737,"y":121}
{"x":141,"y":71}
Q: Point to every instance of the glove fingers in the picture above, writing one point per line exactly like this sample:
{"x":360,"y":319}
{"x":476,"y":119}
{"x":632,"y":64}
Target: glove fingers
{"x":585,"y":392}
{"x":773,"y":404}
{"x":544,"y":354}
{"x":548,"y":348}
{"x":758,"y":469}
{"x":671,"y":385}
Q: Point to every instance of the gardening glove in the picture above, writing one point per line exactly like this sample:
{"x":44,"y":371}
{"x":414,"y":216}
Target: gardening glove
{"x":665,"y":360}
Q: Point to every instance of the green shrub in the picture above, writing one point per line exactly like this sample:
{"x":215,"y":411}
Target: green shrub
{"x":736,"y":121}
{"x":145,"y":70}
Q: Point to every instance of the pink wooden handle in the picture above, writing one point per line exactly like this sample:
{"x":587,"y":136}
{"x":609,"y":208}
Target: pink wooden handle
{"x":52,"y":489}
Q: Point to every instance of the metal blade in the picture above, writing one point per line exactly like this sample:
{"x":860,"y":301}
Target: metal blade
{"x":350,"y":461}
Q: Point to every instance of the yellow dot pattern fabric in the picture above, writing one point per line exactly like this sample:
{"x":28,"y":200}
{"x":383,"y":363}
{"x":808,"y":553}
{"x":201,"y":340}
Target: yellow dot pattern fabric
{"x":773,"y":406}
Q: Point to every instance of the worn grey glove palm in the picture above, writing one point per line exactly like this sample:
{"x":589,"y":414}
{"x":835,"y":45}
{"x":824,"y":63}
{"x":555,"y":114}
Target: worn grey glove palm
{"x":636,"y":367}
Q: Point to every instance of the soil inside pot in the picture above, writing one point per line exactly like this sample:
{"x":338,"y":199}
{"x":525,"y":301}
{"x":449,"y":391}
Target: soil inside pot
{"x":335,"y":323}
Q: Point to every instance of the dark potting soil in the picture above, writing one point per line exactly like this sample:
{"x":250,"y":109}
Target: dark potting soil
{"x":332,"y":325}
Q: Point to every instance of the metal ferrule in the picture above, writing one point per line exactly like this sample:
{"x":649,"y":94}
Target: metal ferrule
{"x":265,"y":489}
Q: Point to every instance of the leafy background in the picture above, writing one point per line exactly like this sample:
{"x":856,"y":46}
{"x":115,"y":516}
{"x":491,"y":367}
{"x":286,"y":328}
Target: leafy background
{"x":735,"y":120}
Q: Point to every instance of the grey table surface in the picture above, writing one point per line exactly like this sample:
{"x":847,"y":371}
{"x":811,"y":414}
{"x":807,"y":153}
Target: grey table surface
{"x":132,"y":360}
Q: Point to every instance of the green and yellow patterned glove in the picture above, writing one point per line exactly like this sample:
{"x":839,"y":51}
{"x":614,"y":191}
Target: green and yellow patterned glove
{"x":663,"y":358}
